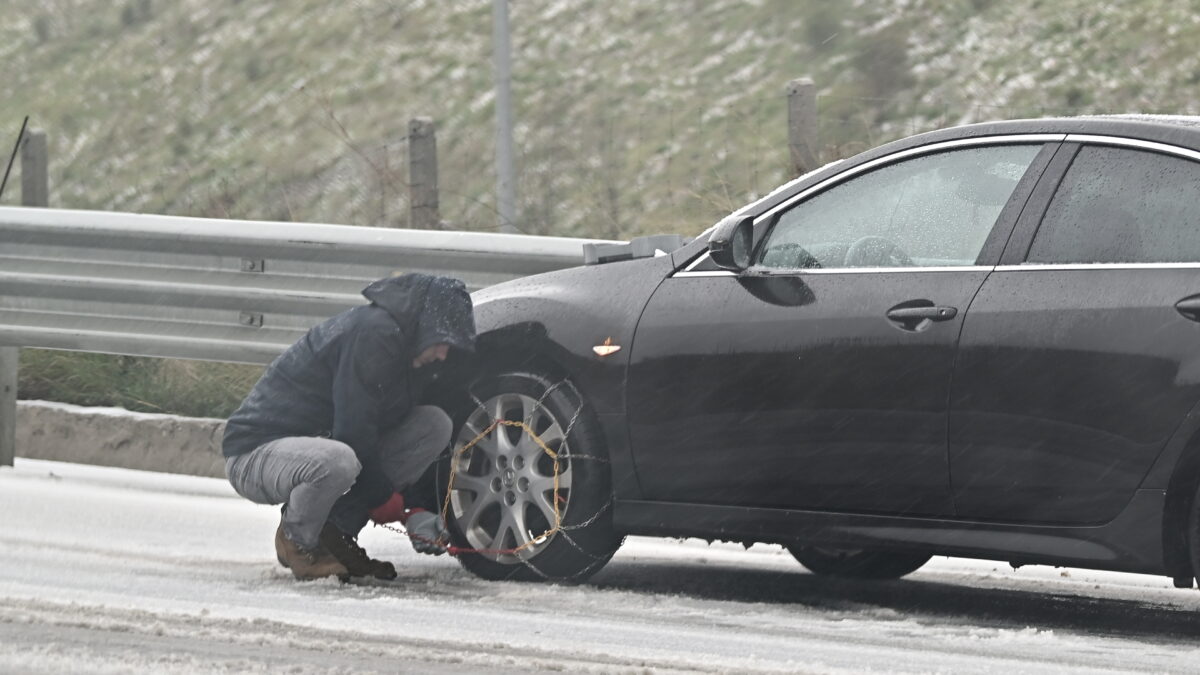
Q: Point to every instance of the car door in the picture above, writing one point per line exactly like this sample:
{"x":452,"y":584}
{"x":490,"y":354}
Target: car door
{"x":1081,"y":354}
{"x":819,"y":378}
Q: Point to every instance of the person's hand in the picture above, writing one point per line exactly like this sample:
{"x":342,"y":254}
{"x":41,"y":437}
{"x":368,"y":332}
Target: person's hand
{"x":427,"y":531}
{"x":390,"y":511}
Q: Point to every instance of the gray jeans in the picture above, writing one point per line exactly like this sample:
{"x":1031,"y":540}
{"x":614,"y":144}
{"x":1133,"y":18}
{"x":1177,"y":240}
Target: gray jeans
{"x":311,"y":476}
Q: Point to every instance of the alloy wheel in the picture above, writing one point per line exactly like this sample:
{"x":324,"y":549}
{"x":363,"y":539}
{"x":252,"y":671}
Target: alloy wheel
{"x":504,"y":491}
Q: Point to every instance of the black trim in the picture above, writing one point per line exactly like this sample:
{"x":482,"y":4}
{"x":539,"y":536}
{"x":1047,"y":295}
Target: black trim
{"x":1131,"y":542}
{"x":1002,"y":230}
{"x":1031,"y":216}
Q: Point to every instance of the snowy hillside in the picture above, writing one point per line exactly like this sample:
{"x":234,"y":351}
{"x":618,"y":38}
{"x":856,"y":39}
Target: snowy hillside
{"x":633,"y":116}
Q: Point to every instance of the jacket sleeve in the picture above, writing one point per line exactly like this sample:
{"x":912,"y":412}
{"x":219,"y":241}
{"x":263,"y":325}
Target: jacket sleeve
{"x":365,"y":364}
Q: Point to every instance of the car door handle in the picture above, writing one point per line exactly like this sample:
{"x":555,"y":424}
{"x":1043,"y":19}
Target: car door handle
{"x":1189,"y":307}
{"x":914,"y":317}
{"x":931,"y":313}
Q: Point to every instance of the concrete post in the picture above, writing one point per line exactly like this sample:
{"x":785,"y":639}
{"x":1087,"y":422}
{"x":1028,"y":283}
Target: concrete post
{"x":423,"y":175}
{"x":802,"y":124}
{"x":35,"y":183}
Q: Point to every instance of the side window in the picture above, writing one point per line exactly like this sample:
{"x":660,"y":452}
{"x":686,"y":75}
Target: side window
{"x":931,"y":211}
{"x":1117,"y":205}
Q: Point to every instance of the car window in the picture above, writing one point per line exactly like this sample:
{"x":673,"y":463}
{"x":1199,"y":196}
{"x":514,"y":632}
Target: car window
{"x":1117,"y":205}
{"x":931,"y":211}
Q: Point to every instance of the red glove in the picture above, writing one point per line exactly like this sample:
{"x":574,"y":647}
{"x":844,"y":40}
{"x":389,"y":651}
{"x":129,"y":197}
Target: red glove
{"x":390,"y":511}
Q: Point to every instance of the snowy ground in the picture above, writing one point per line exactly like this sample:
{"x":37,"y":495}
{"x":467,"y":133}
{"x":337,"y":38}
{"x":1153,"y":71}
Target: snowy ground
{"x":107,"y":570}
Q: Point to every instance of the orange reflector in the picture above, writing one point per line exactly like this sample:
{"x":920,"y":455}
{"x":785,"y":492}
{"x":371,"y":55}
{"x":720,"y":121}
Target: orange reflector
{"x":606,"y":349}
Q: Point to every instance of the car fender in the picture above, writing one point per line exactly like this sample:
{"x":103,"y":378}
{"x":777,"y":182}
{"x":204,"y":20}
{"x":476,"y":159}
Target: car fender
{"x":560,"y":317}
{"x":553,"y":322}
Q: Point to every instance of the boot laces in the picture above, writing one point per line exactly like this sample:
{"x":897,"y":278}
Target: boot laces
{"x":354,"y":549}
{"x":311,"y":555}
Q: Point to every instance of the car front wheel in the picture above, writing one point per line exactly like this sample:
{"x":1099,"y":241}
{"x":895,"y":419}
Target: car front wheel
{"x":858,"y":564}
{"x":530,"y":497}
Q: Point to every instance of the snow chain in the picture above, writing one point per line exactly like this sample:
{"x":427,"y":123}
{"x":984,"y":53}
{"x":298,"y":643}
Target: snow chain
{"x":557,"y":527}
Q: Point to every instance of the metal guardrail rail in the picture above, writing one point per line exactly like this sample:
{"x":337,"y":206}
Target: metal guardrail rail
{"x":221,"y":290}
{"x":218,"y":290}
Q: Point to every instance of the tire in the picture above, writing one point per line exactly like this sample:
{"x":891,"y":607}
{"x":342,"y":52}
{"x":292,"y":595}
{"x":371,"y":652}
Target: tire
{"x":1193,"y":534}
{"x":507,"y":479}
{"x":858,"y":564}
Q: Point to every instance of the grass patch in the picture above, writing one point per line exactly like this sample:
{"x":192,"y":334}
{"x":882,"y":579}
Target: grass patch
{"x":171,"y":386}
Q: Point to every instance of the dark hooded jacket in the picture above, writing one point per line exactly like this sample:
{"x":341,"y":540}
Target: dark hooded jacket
{"x":351,"y":377}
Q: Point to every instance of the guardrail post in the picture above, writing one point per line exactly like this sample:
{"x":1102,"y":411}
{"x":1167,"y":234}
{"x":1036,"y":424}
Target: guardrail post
{"x":35,"y":191}
{"x":35,"y":182}
{"x":802,"y":124}
{"x":423,"y":175}
{"x":8,"y":405}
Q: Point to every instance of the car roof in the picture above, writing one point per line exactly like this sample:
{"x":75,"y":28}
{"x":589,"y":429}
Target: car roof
{"x":1131,"y":125}
{"x":1183,"y":120}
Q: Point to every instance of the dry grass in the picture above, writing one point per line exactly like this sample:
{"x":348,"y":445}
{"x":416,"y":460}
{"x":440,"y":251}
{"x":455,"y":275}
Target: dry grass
{"x":192,"y":388}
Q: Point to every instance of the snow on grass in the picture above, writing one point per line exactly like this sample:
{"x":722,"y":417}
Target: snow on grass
{"x":110,"y":412}
{"x":190,"y":109}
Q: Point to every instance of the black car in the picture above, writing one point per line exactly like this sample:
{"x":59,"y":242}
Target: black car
{"x":982,"y":341}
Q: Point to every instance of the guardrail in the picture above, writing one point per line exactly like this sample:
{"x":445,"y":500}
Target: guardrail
{"x":219,"y":290}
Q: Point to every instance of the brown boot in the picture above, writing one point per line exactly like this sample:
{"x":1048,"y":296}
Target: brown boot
{"x":347,"y":551}
{"x":306,"y":565}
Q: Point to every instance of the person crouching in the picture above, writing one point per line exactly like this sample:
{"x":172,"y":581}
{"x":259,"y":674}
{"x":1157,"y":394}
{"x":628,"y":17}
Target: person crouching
{"x":333,"y":429}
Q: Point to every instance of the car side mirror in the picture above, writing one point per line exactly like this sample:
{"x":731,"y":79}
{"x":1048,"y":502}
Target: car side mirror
{"x":732,"y":243}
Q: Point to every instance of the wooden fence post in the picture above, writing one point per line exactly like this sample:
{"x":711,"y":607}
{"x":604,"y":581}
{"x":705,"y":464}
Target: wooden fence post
{"x":35,"y":191}
{"x":423,"y":175}
{"x":802,"y":124}
{"x":35,"y":183}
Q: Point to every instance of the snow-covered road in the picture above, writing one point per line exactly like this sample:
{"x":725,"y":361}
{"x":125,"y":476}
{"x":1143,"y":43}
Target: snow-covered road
{"x":108,"y":570}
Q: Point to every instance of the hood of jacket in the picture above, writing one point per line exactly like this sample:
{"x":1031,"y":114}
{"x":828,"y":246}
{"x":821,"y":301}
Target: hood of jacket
{"x":438,"y":307}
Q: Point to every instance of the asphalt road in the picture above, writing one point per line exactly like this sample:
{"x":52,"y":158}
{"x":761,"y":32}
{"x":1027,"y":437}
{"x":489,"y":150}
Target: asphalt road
{"x":105,"y":570}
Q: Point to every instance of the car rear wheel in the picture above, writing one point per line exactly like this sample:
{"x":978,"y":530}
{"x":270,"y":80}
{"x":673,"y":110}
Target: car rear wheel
{"x":858,"y":564}
{"x":1193,"y":533}
{"x":521,"y":513}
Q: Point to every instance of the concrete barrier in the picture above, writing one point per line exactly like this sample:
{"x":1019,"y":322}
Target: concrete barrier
{"x":120,"y":438}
